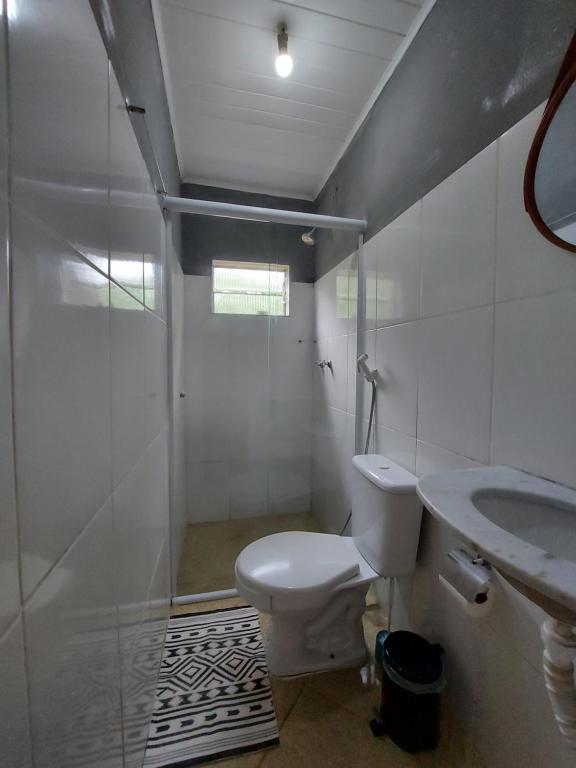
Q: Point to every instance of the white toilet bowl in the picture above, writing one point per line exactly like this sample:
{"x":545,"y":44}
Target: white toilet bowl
{"x":313,"y":585}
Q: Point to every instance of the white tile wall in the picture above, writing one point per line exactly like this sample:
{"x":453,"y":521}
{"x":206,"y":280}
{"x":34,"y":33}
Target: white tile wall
{"x":535,"y":385}
{"x":475,"y":335}
{"x":397,"y":363}
{"x":84,"y":629}
{"x":61,"y":394}
{"x":128,"y":371}
{"x":59,"y":116}
{"x":454,"y":384}
{"x":247,"y":411}
{"x":399,"y":248}
{"x":474,"y":341}
{"x":70,"y":624}
{"x":459,"y":238}
{"x":334,"y":391}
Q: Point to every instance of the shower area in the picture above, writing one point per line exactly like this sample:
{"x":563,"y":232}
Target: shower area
{"x":250,"y":366}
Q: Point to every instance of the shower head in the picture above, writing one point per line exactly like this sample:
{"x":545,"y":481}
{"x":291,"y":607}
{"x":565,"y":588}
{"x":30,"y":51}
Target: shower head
{"x":362,"y":367}
{"x":308,"y":237}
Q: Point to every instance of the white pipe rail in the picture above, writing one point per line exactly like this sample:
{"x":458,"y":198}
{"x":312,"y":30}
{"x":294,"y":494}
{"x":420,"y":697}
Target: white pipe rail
{"x":252,"y":213}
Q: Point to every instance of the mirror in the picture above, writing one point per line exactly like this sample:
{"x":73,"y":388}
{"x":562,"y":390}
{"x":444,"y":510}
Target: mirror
{"x":550,"y":179}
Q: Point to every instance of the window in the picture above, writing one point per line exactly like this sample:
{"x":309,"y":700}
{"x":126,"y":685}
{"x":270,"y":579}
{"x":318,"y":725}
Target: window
{"x":246,"y":288}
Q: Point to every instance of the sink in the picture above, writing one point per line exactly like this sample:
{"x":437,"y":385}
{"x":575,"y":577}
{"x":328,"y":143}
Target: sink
{"x":523,"y":525}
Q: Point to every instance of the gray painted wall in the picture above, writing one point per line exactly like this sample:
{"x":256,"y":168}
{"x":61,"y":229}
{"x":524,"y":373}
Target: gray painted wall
{"x":205,"y":238}
{"x":474,"y":70}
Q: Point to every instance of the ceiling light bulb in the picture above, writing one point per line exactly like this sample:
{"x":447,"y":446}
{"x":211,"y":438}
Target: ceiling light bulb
{"x":284,"y":64}
{"x":284,"y":61}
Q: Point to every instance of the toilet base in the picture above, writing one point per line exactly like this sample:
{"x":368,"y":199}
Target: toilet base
{"x":331,"y":637}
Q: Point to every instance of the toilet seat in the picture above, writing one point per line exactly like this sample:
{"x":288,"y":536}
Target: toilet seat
{"x":299,"y":563}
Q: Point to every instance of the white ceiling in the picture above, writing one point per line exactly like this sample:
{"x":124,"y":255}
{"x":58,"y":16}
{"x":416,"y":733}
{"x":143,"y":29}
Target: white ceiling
{"x":236,"y":123}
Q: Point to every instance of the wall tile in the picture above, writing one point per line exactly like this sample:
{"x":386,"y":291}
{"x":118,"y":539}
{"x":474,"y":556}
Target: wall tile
{"x":157,"y":496}
{"x":397,"y":384}
{"x":534,"y":385}
{"x":300,"y":323}
{"x":248,"y":483}
{"x":371,"y":255}
{"x":9,"y":583}
{"x":396,"y":446}
{"x":455,"y":382}
{"x":127,"y":204}
{"x":291,"y":365}
{"x":431,"y":459}
{"x":70,"y":623}
{"x":369,"y":343}
{"x":330,"y":505}
{"x":128,"y":372}
{"x":527,"y":263}
{"x":62,"y":395}
{"x":458,"y":238}
{"x":15,"y":742}
{"x":331,"y":296}
{"x":135,"y":552}
{"x":290,"y":430}
{"x":290,"y":485}
{"x":208,"y":491}
{"x":336,"y":378}
{"x":60,"y":122}
{"x":399,"y":248}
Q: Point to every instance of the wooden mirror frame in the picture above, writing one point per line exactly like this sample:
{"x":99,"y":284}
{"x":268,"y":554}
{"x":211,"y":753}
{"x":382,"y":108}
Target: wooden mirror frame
{"x":565,"y":79}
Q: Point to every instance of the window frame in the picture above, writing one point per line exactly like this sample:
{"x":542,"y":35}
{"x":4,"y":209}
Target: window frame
{"x":255,"y":265}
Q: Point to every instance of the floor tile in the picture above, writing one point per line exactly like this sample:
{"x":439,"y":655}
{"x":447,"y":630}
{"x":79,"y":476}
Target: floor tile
{"x":321,"y":733}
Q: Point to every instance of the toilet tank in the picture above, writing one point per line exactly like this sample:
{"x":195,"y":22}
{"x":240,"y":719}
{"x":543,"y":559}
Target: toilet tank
{"x":386,"y":514}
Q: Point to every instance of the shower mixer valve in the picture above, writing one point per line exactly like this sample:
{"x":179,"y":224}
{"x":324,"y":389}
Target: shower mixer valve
{"x":324,"y":364}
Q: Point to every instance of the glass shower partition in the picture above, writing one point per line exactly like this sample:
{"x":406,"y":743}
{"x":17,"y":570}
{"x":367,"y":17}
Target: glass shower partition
{"x":249,"y":356}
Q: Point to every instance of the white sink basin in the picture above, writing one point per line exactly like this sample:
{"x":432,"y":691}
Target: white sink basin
{"x":523,"y":525}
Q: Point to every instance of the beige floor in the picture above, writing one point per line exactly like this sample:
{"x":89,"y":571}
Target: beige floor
{"x":324,"y":718}
{"x":210,"y":549}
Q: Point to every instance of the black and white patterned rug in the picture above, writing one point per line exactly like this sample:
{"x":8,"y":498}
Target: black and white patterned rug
{"x":213,"y":698}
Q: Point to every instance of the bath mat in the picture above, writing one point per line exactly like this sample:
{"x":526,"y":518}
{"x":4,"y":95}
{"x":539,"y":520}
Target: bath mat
{"x":213,"y":698}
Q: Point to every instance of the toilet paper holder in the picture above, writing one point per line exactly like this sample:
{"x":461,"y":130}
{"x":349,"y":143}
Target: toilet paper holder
{"x":469,"y":576}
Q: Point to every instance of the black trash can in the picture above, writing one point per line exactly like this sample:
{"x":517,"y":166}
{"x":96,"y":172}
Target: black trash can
{"x":412,"y":680}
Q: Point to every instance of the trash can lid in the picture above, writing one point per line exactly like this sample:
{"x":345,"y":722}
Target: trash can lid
{"x":412,"y":657}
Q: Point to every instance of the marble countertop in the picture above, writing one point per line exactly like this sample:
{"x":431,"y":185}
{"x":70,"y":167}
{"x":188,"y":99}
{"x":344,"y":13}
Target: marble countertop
{"x":451,"y":496}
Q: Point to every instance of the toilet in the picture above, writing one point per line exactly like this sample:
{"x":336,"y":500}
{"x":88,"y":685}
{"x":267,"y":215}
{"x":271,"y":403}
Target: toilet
{"x":314,"y":585}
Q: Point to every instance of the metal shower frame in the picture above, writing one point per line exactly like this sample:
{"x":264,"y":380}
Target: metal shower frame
{"x":298,"y":218}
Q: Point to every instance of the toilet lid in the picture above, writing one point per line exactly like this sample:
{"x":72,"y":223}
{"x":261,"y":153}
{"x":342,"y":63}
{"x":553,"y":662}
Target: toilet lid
{"x":298,"y":562}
